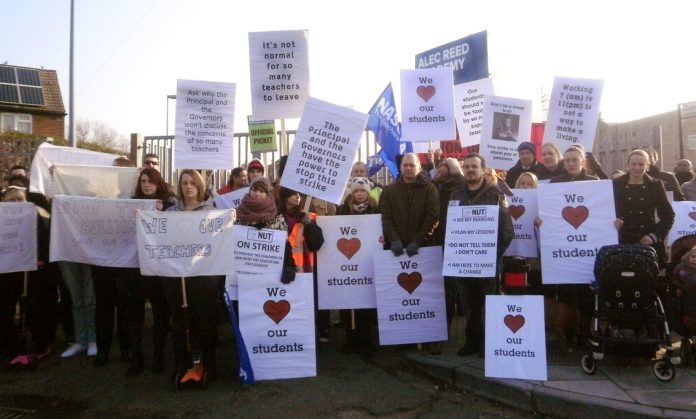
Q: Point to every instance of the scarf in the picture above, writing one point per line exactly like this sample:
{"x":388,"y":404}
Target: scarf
{"x":360,"y":208}
{"x":252,"y":211}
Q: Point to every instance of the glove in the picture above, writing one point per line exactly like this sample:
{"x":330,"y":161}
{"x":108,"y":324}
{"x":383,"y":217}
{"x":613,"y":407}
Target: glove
{"x":412,"y":249}
{"x":287,"y":276}
{"x":397,"y":248}
{"x":259,"y":225}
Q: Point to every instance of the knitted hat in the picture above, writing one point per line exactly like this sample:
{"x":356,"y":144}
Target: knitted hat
{"x":359,"y":184}
{"x":527,"y":146}
{"x":256,"y":165}
{"x":261,"y":183}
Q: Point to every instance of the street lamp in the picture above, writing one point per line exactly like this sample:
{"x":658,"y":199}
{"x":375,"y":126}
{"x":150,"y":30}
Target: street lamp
{"x":169,"y":97}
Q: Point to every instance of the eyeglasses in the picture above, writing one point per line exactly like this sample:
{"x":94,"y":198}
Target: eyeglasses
{"x":154,"y":163}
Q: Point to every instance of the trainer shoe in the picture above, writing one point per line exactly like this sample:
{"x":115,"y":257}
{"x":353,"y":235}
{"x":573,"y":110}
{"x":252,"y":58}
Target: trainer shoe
{"x":73,"y":350}
{"x":92,"y":350}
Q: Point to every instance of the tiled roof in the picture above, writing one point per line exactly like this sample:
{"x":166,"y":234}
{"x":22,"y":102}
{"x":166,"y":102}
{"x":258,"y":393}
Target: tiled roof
{"x":53,"y":101}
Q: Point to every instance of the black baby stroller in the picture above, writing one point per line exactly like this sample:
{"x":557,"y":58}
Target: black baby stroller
{"x":684,"y":299}
{"x":628,"y":312}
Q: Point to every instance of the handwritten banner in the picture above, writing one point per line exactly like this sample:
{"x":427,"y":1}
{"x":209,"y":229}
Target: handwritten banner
{"x":506,"y":123}
{"x":204,"y":125}
{"x":17,"y":237}
{"x":427,"y":105}
{"x":230,"y":199}
{"x":577,"y":220}
{"x":279,"y":63}
{"x":684,"y":221}
{"x":468,"y":109}
{"x":345,"y":265}
{"x":95,"y":181}
{"x":515,"y":339}
{"x":186,"y":243}
{"x":323,"y":151}
{"x":410,"y":297}
{"x":523,"y":210}
{"x":277,"y":322}
{"x":259,"y":252}
{"x":471,"y":241}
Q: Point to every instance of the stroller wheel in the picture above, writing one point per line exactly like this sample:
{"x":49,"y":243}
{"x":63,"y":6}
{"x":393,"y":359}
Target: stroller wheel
{"x":588,"y":364}
{"x":664,"y":371}
{"x":685,"y":351}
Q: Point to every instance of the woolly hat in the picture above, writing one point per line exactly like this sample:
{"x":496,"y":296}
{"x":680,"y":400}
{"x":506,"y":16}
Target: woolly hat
{"x":359,"y":184}
{"x":256,"y":165}
{"x":261,"y":183}
{"x":527,"y":146}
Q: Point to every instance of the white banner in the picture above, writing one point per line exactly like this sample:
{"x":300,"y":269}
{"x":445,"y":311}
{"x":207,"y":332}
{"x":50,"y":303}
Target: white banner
{"x":684,"y":221}
{"x":471,"y":241}
{"x":279,"y":63}
{"x":410,"y":297}
{"x":277,"y":322}
{"x":507,"y":122}
{"x":515,"y":338}
{"x":577,"y":220}
{"x":427,"y":105}
{"x":186,"y":243}
{"x":230,"y":199}
{"x":95,"y":181}
{"x":573,"y":112}
{"x":204,"y":125}
{"x":49,"y":154}
{"x":523,"y":209}
{"x":259,"y":252}
{"x":344,"y":263}
{"x":323,"y":151}
{"x":96,"y":231}
{"x":17,"y":237}
{"x":468,"y":109}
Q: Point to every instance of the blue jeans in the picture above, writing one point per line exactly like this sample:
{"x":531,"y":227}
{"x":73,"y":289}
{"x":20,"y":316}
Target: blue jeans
{"x":78,"y":279}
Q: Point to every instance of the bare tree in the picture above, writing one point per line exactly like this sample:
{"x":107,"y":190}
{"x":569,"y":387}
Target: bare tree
{"x":99,"y":136}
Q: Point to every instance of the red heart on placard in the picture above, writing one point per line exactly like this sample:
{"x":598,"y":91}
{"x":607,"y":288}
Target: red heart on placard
{"x":409,"y":282}
{"x":516,"y":211}
{"x":692,"y":215}
{"x":575,"y":216}
{"x":514,"y":323}
{"x":425,"y":92}
{"x":276,"y":310}
{"x":348,"y":247}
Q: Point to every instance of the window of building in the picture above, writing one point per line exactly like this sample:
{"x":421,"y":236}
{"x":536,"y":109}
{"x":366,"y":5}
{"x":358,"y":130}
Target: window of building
{"x":15,"y":122}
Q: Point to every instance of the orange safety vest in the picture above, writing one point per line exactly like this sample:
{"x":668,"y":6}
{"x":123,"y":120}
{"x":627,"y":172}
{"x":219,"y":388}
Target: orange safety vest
{"x":296,"y":239}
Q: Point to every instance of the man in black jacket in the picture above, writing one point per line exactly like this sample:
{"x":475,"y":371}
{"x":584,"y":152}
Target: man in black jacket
{"x":526,"y":163}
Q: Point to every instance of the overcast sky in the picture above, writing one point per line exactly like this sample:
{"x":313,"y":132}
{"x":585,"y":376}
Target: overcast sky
{"x":129,"y":53}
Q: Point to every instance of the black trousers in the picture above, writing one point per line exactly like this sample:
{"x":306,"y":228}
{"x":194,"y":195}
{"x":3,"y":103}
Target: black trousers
{"x":109,"y":309}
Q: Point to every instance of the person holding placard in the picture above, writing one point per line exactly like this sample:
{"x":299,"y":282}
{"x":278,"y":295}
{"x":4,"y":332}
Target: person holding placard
{"x":526,"y":163}
{"x":237,"y":180}
{"x":574,"y":162}
{"x":478,"y":191}
{"x":669,"y":180}
{"x":201,"y":291}
{"x":551,"y":162}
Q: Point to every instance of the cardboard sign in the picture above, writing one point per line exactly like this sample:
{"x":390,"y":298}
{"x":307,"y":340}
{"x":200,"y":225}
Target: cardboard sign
{"x":277,"y":322}
{"x":323,"y":151}
{"x":468,"y":109}
{"x":262,"y":136}
{"x":573,"y":112}
{"x":17,"y":237}
{"x":186,"y":243}
{"x":344,"y":263}
{"x":523,"y":209}
{"x":577,"y":220}
{"x":95,"y":181}
{"x":515,"y":338}
{"x":684,"y":221}
{"x":410,"y":297}
{"x":471,"y":241}
{"x":256,"y":252}
{"x":230,"y":199}
{"x":204,"y":125}
{"x":96,"y":231}
{"x":427,"y":105}
{"x":279,"y":64}
{"x":507,"y":122}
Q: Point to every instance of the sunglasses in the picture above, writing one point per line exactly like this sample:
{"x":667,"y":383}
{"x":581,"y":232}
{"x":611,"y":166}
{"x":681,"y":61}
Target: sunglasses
{"x":154,"y":163}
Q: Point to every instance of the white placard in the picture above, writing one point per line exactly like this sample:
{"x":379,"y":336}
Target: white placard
{"x":344,"y":263}
{"x":95,"y":181}
{"x":279,"y":64}
{"x":471,"y":241}
{"x":515,"y":339}
{"x":577,"y":220}
{"x":185,"y":243}
{"x":277,"y":322}
{"x":230,"y":199}
{"x":523,"y":209}
{"x":427,"y":105}
{"x":204,"y":125}
{"x":468,"y":109}
{"x":17,"y":237}
{"x":410,"y":297}
{"x":573,"y":112}
{"x":256,"y":252}
{"x":684,"y":221}
{"x":49,"y":154}
{"x":323,"y":151}
{"x":96,"y":231}
{"x":507,"y":122}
